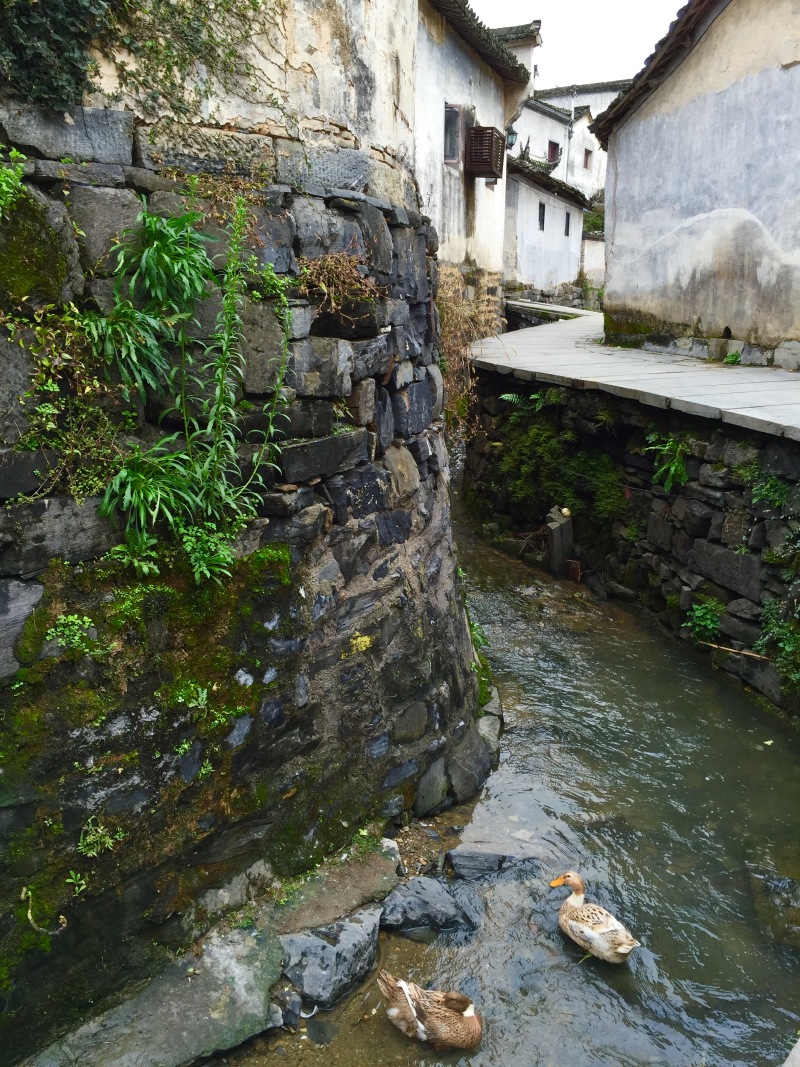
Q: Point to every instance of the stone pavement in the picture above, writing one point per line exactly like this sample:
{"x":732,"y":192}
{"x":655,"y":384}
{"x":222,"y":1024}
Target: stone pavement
{"x":569,"y":352}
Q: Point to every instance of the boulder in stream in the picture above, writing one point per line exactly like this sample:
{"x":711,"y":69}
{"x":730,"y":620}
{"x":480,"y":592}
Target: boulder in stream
{"x":423,"y":903}
{"x":326,"y":963}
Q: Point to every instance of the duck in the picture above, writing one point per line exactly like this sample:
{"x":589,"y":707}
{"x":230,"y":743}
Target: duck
{"x":592,"y":927}
{"x":445,"y":1020}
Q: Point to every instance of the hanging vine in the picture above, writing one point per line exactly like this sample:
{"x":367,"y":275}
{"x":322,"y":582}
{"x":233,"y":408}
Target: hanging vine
{"x":170,"y":55}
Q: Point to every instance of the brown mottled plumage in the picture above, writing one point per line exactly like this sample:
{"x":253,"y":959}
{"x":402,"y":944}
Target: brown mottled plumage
{"x":592,"y":927}
{"x":445,"y":1020}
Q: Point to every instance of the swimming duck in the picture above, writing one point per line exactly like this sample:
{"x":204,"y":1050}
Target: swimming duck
{"x":445,"y":1020}
{"x":591,"y":926}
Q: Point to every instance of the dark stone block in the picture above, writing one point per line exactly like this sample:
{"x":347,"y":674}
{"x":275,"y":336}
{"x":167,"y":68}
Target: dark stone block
{"x":95,"y":134}
{"x":321,"y":366}
{"x":296,"y":530}
{"x":23,"y":472}
{"x":378,"y":747}
{"x":261,"y":346}
{"x":742,"y":574}
{"x":102,"y":215}
{"x":321,"y":231}
{"x":411,"y":722}
{"x":272,"y":712}
{"x":734,"y":627}
{"x":371,"y":358}
{"x":368,"y":488}
{"x":681,"y":546}
{"x":283,"y":504}
{"x":413,"y":409}
{"x":377,"y":239}
{"x":409,"y":266}
{"x":38,"y":233}
{"x":400,"y":773}
{"x":335,"y":492}
{"x":189,"y":765}
{"x":308,"y":418}
{"x":271,"y":239}
{"x":32,"y":534}
{"x":48,"y":172}
{"x":384,"y":421}
{"x":394,"y":527}
{"x":238,"y":735}
{"x":323,"y":457}
{"x":659,"y":532}
{"x":468,"y":765}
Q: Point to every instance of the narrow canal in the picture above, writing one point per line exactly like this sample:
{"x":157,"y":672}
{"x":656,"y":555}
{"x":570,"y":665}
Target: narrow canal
{"x":670,"y":790}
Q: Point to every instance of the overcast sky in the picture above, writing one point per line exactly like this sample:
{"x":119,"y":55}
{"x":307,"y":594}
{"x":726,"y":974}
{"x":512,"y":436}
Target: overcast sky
{"x":586,"y":40}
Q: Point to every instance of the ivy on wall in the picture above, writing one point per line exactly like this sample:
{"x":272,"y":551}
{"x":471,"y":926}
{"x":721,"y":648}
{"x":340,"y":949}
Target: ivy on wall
{"x":167,"y":54}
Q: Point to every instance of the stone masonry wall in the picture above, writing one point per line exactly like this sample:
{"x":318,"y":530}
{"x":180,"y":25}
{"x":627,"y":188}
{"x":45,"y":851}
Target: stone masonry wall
{"x":729,"y":534}
{"x":221,"y":734}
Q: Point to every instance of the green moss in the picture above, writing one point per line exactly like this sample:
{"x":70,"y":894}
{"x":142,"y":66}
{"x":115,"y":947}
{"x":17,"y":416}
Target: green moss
{"x":32,"y":259}
{"x":30,"y":641}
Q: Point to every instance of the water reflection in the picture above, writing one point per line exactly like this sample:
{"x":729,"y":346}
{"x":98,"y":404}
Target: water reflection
{"x":636,"y":765}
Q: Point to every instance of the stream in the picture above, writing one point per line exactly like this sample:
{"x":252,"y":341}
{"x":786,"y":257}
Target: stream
{"x":669,"y":789}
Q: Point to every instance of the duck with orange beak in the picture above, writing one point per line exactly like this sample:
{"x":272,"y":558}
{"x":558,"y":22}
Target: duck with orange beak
{"x":590,"y":926}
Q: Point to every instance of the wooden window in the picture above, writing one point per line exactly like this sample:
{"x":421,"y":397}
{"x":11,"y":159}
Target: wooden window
{"x":552,"y":151}
{"x":587,"y":158}
{"x":541,"y":216}
{"x":566,"y":226}
{"x":452,"y":134}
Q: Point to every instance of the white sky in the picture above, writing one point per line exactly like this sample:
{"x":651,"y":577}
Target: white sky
{"x":586,"y":40}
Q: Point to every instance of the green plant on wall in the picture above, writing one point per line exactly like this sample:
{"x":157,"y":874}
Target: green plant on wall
{"x":670,"y":451}
{"x":780,"y":638}
{"x":702,"y":619}
{"x":765,"y":488}
{"x":157,"y":48}
{"x":543,"y":466}
{"x":11,"y":187}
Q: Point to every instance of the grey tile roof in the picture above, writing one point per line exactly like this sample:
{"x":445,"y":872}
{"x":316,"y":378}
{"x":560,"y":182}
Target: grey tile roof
{"x":489,"y":47}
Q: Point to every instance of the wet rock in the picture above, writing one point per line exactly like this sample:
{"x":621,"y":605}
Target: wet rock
{"x":39,"y":258}
{"x":777,"y":902}
{"x":422,"y":903}
{"x":23,"y":472}
{"x":468,"y":765}
{"x":198,"y":1006}
{"x":413,"y":408}
{"x":432,"y":788}
{"x":470,"y":863}
{"x":327,"y":963}
{"x":32,"y":534}
{"x":742,"y":574}
{"x":17,"y":601}
{"x":490,"y":728}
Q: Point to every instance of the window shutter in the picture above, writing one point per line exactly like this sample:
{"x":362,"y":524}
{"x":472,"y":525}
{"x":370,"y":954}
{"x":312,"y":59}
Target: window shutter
{"x":486,"y":149}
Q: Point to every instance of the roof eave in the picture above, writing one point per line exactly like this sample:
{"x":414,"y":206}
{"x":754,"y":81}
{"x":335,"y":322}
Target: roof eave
{"x":552,"y":185}
{"x":668,"y":53}
{"x":468,"y":26}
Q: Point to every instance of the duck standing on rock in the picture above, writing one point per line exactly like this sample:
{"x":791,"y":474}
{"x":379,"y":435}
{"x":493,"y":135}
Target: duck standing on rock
{"x":592,"y":927}
{"x":445,"y":1020}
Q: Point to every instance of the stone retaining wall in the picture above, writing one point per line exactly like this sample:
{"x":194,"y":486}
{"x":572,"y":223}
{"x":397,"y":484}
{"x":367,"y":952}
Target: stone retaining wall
{"x":221,"y":734}
{"x":729,"y":534}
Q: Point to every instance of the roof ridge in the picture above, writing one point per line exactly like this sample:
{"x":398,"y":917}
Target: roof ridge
{"x":489,"y":47}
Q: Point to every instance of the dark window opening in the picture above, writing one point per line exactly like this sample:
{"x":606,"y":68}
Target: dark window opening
{"x":566,"y":226}
{"x":452,"y":134}
{"x":587,"y":158}
{"x":552,"y":151}
{"x":541,"y":216}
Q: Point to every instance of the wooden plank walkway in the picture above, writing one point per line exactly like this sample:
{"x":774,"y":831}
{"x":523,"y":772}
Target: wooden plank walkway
{"x":568,"y":353}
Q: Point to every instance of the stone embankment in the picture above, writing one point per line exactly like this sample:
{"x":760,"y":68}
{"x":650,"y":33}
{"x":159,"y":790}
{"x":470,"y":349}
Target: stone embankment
{"x":697,"y":520}
{"x":195,"y":739}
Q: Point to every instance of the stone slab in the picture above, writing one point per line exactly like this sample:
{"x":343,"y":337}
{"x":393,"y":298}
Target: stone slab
{"x":566,"y":352}
{"x":94,"y":134}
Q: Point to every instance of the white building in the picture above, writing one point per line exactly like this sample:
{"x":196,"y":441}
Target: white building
{"x":543,"y":227}
{"x":702,"y":220}
{"x":466,"y":79}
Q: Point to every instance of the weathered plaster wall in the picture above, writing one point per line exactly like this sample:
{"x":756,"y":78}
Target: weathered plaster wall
{"x":466,"y":211}
{"x":535,"y":130}
{"x":591,"y":179}
{"x":702,"y":216}
{"x":542,"y":258}
{"x":593,"y":261}
{"x":334,"y":99}
{"x":227,"y":733}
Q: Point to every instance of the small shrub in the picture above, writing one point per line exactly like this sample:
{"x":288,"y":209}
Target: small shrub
{"x":733,"y":359}
{"x":780,"y":637}
{"x":96,"y":838}
{"x":72,"y":632}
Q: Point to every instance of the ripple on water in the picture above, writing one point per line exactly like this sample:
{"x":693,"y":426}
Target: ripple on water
{"x":629,"y":760}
